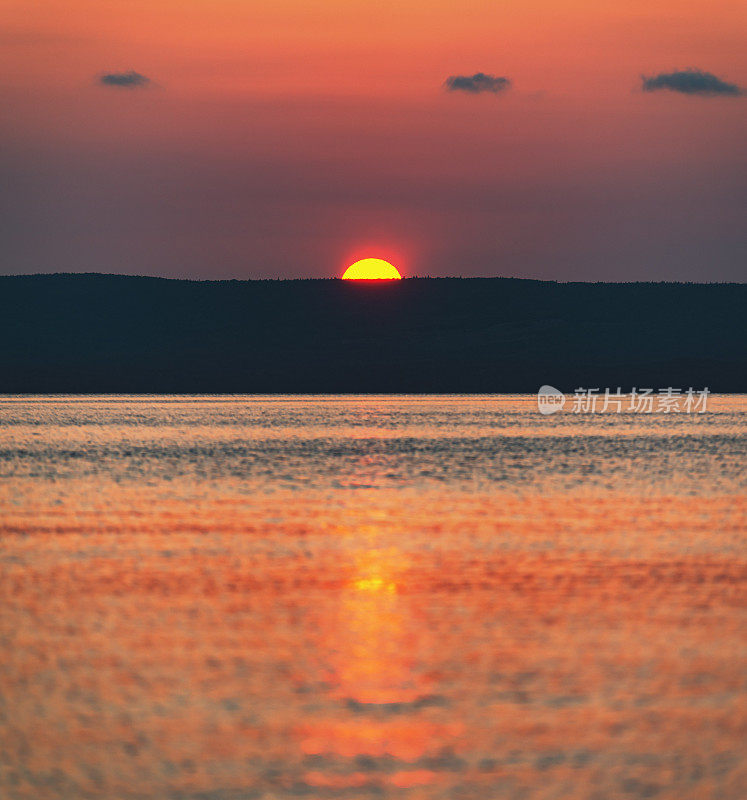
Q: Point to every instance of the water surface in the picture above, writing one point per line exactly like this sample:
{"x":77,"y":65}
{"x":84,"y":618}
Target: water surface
{"x":370,"y":596}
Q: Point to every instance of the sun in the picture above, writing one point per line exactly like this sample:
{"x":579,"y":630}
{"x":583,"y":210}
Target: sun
{"x":368,"y":269}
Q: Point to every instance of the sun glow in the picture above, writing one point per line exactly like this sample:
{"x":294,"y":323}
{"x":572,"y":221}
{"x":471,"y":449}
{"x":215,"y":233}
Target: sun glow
{"x":368,"y":269}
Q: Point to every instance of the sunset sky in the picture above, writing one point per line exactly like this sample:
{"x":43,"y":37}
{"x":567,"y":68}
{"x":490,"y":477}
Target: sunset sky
{"x":570,"y":140}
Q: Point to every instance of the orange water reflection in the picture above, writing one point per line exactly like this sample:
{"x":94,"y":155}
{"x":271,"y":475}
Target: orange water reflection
{"x":367,"y":642}
{"x":372,"y":654}
{"x":177,"y":621}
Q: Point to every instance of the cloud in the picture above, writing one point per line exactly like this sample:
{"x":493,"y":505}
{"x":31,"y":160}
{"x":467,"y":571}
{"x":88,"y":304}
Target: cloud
{"x":691,"y":81}
{"x":124,"y":80}
{"x":477,"y":83}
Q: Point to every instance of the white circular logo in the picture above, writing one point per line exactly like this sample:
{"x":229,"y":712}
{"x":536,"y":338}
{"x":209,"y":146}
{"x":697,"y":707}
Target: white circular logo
{"x":549,"y":399}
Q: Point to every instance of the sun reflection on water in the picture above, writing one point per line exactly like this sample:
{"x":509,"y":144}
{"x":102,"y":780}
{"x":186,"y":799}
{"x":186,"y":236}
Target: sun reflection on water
{"x":385,"y":707}
{"x":347,"y":597}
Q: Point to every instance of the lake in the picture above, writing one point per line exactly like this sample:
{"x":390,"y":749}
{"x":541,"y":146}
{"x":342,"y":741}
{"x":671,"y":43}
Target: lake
{"x":421,"y":597}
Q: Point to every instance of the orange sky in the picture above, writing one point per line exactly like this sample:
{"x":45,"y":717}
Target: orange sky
{"x":281,"y":138}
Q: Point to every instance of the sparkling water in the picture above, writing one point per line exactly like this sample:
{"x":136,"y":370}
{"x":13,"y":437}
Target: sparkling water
{"x":234,"y":597}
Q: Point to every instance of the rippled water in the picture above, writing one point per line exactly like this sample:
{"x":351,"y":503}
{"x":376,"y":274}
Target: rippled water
{"x":400,"y":597}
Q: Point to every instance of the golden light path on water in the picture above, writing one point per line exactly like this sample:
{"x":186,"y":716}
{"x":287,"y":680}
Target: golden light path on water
{"x":226,"y":597}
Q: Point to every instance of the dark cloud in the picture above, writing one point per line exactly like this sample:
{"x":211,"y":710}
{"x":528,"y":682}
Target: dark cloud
{"x":124,"y":80}
{"x":477,"y":83}
{"x":691,"y":81}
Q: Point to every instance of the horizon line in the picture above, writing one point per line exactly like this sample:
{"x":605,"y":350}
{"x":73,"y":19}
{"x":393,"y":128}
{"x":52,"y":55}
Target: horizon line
{"x":341,"y":280}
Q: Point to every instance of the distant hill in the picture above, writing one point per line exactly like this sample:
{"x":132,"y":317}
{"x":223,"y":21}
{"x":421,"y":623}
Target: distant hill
{"x":112,"y":333}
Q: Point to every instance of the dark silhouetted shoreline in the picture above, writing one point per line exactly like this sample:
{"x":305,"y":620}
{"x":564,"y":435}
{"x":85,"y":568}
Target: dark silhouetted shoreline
{"x":113,"y":333}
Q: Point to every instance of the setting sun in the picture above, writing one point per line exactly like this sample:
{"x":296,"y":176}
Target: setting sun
{"x":371,"y":269}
